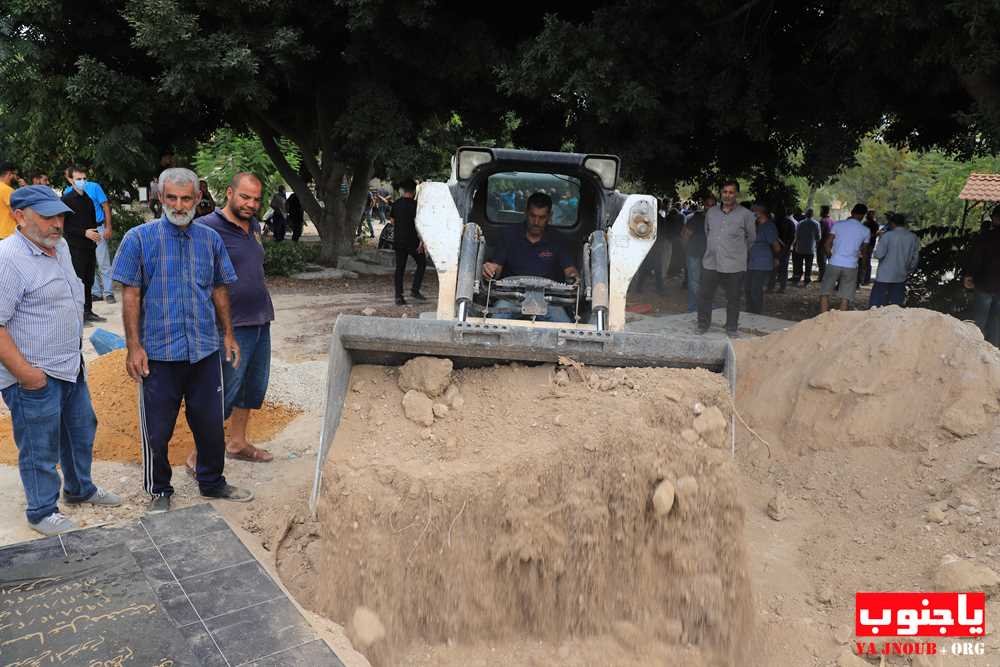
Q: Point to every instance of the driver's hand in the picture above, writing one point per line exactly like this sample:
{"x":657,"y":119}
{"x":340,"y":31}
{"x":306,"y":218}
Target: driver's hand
{"x":490,"y":269}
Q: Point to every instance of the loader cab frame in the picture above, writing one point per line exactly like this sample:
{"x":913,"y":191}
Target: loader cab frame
{"x":480,"y":174}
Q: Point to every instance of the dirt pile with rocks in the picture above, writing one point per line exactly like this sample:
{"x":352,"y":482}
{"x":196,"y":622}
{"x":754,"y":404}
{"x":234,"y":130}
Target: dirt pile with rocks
{"x":560,"y":504}
{"x":116,"y":402}
{"x":907,"y":378}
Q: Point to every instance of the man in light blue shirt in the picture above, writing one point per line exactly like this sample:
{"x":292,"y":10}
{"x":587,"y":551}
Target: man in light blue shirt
{"x":897,"y":252}
{"x":102,"y":289}
{"x":41,"y":369}
{"x":849,"y":240}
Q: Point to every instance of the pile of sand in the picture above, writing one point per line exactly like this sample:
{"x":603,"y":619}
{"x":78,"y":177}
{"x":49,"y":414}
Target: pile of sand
{"x":116,"y":403}
{"x":907,"y":378}
{"x":543,"y":503}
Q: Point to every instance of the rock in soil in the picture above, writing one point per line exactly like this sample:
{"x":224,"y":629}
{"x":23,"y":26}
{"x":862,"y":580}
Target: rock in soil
{"x":418,"y":408}
{"x":366,"y":628}
{"x":429,"y":375}
{"x":778,"y":507}
{"x":955,"y":574}
{"x":663,"y":498}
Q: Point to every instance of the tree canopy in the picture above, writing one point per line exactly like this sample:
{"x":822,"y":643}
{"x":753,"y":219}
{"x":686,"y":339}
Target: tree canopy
{"x":685,"y":91}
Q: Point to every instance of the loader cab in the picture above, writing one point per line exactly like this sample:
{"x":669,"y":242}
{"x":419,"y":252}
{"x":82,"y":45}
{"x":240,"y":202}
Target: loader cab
{"x":491,"y":185}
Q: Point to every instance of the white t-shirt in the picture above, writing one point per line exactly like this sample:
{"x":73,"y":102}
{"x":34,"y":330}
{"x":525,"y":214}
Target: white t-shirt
{"x":849,"y":235}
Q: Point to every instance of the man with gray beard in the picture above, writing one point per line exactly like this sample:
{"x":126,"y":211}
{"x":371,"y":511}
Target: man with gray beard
{"x":174,"y":303}
{"x":41,"y":368}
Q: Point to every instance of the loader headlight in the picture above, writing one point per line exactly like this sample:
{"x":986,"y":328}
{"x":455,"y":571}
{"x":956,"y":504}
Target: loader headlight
{"x":640,"y":218}
{"x":605,"y":166}
{"x":470,"y":158}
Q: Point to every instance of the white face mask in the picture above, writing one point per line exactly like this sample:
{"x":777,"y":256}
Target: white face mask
{"x":179,"y":218}
{"x":79,"y":184}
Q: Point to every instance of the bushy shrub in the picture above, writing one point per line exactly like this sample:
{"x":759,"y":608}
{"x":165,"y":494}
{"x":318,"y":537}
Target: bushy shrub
{"x":286,"y":258}
{"x":123,"y":218}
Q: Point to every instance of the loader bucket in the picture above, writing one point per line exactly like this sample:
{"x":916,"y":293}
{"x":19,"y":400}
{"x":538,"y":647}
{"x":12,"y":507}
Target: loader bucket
{"x":392,"y":341}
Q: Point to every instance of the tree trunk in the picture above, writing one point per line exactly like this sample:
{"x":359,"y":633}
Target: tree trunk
{"x":812,"y":195}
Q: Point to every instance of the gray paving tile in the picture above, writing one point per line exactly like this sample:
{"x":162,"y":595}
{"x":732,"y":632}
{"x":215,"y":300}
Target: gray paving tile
{"x":152,"y":565}
{"x":203,"y":646}
{"x":183,"y":523}
{"x":314,"y":654}
{"x":176,"y":604}
{"x":33,"y":551}
{"x":130,"y":534}
{"x":211,"y":551}
{"x":217,"y":593}
{"x":259,"y":631}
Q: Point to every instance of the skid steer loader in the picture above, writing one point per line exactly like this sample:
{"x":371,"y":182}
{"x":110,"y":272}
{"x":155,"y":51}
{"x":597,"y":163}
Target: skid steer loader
{"x":461,"y":222}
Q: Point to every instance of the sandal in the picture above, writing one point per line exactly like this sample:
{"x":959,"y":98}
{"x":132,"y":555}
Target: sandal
{"x":251,"y":454}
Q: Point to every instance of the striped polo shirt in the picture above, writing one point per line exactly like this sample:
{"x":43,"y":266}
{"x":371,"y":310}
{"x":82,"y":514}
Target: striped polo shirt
{"x":41,"y":307}
{"x":176,"y":269}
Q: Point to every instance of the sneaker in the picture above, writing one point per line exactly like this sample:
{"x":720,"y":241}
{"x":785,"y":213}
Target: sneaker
{"x":110,"y":299}
{"x":230,"y":492}
{"x":158,"y":505}
{"x":101,"y":497}
{"x":418,"y":296}
{"x":91,"y":316}
{"x":733,"y":333}
{"x":400,"y":301}
{"x":54,"y":524}
{"x":702,"y":331}
{"x":96,"y":297}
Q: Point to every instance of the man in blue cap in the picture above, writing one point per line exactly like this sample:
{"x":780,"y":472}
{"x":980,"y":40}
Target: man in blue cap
{"x":41,"y":368}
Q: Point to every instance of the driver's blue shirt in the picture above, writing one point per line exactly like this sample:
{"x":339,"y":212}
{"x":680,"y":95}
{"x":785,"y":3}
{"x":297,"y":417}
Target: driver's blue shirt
{"x":520,"y":257}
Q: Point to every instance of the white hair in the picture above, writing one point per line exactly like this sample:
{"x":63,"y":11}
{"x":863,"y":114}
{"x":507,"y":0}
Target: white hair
{"x":180,"y":176}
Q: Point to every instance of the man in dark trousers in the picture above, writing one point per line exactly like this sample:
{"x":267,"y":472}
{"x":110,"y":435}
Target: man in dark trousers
{"x":175,"y":302}
{"x":786,"y":236}
{"x":296,"y":217}
{"x":80,"y":230}
{"x":981,"y":270}
{"x":406,"y":241}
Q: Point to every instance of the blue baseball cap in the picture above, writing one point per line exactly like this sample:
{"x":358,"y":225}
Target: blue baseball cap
{"x":40,"y":199}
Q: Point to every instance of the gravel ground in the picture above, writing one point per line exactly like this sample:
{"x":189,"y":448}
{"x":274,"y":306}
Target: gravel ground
{"x":301,"y":385}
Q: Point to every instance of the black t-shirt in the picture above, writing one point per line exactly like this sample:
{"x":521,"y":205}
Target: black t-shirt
{"x":80,"y":220}
{"x":404,"y":216}
{"x":520,"y":257}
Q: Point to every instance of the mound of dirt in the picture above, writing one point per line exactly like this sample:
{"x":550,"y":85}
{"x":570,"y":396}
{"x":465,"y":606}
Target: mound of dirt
{"x":531,"y":511}
{"x":906,"y":378}
{"x":116,"y":403}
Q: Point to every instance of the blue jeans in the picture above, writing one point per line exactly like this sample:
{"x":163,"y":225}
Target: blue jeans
{"x":102,"y":277}
{"x":756,"y":280}
{"x":887,"y":294}
{"x":54,"y":425}
{"x":986,"y":311}
{"x":693,"y":282}
{"x":246,"y":385}
{"x":555,"y":314}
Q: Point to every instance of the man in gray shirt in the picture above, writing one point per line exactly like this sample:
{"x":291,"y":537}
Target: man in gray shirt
{"x":729,"y":232}
{"x":807,"y":236}
{"x":897,"y":252}
{"x":41,"y":369}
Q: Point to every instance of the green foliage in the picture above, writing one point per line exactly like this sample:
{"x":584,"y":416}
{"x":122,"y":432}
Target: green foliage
{"x":123,"y":219}
{"x":227,"y":153}
{"x":936,"y":284}
{"x":287,"y":258}
{"x":924,"y":185}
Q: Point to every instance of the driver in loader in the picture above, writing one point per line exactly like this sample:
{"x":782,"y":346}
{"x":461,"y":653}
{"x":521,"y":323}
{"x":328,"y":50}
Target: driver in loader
{"x":532,"y":250}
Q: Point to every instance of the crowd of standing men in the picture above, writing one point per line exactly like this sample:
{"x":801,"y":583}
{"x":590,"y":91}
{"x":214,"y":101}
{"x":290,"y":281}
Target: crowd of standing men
{"x":196,"y":314}
{"x":747,"y":249}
